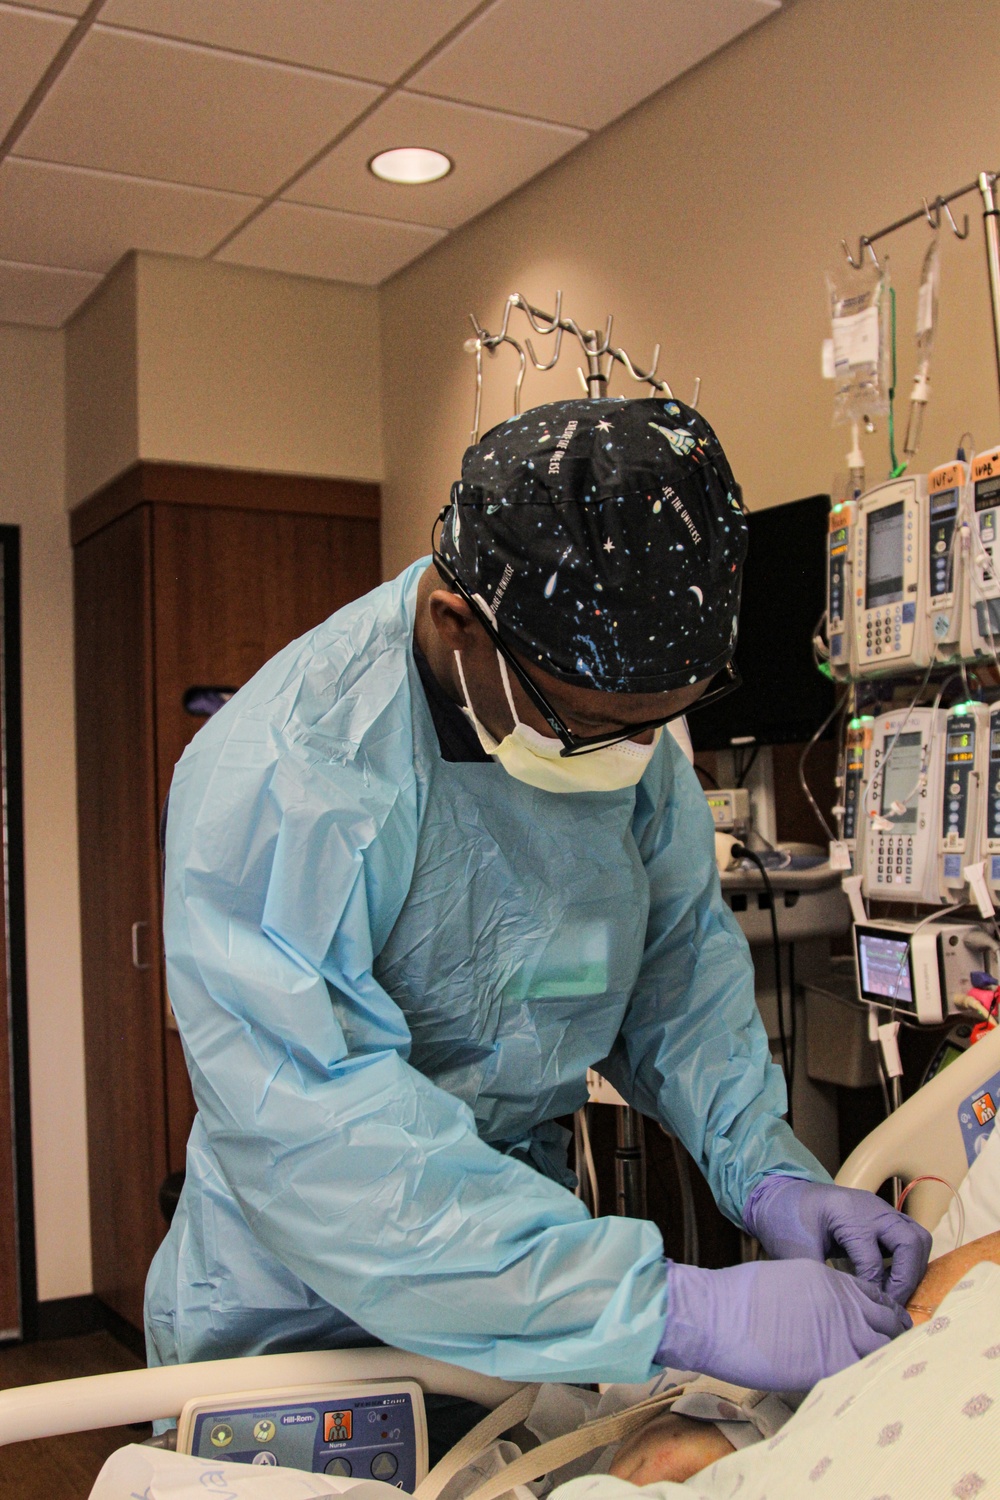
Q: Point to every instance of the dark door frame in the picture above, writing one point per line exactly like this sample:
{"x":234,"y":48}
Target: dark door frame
{"x":10,"y":552}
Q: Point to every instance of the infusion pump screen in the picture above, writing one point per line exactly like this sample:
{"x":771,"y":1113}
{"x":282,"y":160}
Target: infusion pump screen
{"x":988,"y":493}
{"x":885,"y":968}
{"x":900,"y":778}
{"x":884,"y":583}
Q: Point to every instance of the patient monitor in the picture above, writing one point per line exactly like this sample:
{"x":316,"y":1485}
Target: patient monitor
{"x":901,"y":806}
{"x":920,"y":971}
{"x":891,"y":623}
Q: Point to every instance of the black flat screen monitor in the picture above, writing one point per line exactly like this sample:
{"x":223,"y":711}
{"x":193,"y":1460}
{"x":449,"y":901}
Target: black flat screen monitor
{"x":784,"y":698}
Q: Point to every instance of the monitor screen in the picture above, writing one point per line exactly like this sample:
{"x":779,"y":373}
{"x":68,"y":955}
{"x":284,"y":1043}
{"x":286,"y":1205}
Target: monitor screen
{"x":901,"y":781}
{"x":884,"y":967}
{"x":784,"y":698}
{"x":884,"y":581}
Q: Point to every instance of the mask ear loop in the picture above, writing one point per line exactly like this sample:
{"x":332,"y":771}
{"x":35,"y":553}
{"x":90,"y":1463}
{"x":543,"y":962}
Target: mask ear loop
{"x":504,"y":675}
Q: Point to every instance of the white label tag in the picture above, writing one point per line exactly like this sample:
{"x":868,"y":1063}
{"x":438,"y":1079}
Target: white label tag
{"x":925,"y":307}
{"x":855,"y":339}
{"x":840,"y":855}
{"x":829,"y":364}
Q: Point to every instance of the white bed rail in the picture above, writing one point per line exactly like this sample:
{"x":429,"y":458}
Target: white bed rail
{"x":923,"y":1136}
{"x":36,"y":1411}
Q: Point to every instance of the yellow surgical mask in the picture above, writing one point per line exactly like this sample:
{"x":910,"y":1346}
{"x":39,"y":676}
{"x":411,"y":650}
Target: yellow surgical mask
{"x":537,"y":759}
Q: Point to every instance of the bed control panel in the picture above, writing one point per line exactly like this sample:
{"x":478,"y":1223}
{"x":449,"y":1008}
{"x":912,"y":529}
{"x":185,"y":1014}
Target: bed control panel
{"x":357,"y":1431}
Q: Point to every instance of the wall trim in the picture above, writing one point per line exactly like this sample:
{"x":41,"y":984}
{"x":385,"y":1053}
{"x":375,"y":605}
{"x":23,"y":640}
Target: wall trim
{"x":243,"y":489}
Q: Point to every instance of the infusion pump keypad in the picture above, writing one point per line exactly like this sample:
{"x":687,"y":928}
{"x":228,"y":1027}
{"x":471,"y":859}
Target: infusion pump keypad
{"x":894,"y":859}
{"x":883,"y":630}
{"x":356,"y":1436}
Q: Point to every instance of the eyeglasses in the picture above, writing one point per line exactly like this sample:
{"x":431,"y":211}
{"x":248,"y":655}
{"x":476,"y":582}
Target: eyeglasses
{"x":722,"y":684}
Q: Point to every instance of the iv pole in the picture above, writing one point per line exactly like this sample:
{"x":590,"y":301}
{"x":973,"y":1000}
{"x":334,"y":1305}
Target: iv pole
{"x":986,"y":185}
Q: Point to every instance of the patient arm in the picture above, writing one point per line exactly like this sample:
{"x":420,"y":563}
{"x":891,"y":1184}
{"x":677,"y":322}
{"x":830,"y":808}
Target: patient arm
{"x":669,"y":1447}
{"x":943,"y":1273}
{"x":675,"y":1447}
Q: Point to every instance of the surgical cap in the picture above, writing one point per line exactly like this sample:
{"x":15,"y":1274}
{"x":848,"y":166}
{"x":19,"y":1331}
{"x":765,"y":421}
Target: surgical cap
{"x":607,"y":538}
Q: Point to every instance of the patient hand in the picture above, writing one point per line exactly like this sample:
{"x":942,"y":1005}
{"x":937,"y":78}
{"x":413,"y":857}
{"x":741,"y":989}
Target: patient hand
{"x":942,"y":1274}
{"x":669,"y":1447}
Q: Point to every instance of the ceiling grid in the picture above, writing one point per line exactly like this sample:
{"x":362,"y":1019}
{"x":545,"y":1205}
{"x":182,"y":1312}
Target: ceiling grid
{"x":241,"y":130}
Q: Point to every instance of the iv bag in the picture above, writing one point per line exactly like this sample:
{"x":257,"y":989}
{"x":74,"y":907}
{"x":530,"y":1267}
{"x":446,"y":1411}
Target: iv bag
{"x":859,"y":311}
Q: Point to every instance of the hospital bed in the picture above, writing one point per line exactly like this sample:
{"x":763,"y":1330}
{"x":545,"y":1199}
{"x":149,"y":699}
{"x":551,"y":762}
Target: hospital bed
{"x":933,"y":1134}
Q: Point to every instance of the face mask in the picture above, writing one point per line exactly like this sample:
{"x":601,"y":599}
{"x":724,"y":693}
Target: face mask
{"x":537,"y":759}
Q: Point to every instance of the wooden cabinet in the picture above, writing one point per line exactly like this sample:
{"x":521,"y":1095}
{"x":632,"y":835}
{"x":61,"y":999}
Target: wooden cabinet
{"x":183,"y":577}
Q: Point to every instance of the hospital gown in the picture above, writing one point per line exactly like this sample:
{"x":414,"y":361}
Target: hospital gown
{"x":391,"y":974}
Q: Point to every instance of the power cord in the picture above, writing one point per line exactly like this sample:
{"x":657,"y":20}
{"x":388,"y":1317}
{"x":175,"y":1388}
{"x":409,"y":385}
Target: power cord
{"x":740,"y":851}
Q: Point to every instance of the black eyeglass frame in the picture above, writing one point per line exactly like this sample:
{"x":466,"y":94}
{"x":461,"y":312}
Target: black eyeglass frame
{"x":578,"y":744}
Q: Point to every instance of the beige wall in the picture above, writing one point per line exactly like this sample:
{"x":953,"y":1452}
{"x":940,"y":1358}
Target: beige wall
{"x":188,"y":362}
{"x":706,"y":220}
{"x":32,"y":497}
{"x":254,"y":370}
{"x":102,"y":415}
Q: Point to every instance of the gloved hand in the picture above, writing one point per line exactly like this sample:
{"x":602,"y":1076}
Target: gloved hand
{"x":773,"y":1325}
{"x":793,"y":1218}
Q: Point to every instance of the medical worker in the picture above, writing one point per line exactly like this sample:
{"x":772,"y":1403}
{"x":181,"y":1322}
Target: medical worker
{"x":436,"y":860}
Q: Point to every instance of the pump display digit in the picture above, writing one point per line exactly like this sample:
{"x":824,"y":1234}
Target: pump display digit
{"x":982,"y":612}
{"x":840,"y":587}
{"x":947,"y":487}
{"x":901,"y":803}
{"x":890,"y":580}
{"x":966,"y":735}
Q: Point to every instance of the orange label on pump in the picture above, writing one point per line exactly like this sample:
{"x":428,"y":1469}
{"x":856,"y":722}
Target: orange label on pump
{"x":986,"y":465}
{"x":947,"y":477}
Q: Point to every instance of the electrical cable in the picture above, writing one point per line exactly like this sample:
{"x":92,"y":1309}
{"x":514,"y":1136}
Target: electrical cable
{"x":702,"y":771}
{"x":835,"y":710}
{"x":740,"y":851}
{"x":929,"y":1177}
{"x":748,"y":767}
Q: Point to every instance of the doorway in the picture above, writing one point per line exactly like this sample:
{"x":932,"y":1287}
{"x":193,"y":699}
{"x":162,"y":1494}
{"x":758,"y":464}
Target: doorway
{"x":18,"y":1295}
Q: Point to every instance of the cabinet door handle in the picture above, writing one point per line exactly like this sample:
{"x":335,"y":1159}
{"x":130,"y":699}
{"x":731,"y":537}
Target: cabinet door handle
{"x":135,"y":946}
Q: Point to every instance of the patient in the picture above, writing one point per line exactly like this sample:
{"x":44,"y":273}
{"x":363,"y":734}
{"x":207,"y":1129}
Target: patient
{"x":675,"y":1447}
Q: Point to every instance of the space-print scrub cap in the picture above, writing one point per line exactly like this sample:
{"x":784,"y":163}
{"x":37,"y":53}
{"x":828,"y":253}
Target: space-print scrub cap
{"x":608,"y":539}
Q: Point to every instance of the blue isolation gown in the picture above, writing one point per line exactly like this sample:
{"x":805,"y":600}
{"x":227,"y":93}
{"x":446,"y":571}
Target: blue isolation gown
{"x":391,"y":974}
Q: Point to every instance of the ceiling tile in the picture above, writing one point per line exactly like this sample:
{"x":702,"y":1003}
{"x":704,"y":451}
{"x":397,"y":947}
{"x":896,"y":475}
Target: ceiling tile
{"x":61,"y":216}
{"x":376,"y":39}
{"x":493,"y":154}
{"x":335,"y":246}
{"x":29,"y":40}
{"x":179,"y":113}
{"x":41,"y":295}
{"x":64,"y":7}
{"x":582,"y":62}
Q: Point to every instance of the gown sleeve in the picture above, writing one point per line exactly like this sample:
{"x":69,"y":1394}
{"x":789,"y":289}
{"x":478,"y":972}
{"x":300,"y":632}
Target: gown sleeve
{"x":288,"y":858}
{"x":693,"y":1052}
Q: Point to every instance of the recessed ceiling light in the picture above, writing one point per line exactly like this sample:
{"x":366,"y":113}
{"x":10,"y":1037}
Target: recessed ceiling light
{"x":410,"y":165}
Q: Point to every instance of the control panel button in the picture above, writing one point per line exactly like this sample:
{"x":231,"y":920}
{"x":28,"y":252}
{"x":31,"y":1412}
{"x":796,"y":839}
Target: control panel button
{"x":221,"y":1435}
{"x":340,"y":1467}
{"x":265,"y":1457}
{"x":264,"y":1430}
{"x":384,"y":1465}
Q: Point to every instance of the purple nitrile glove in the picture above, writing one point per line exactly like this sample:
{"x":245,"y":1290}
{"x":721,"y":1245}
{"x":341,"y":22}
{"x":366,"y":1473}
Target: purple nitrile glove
{"x":793,"y":1218}
{"x":773,"y":1325}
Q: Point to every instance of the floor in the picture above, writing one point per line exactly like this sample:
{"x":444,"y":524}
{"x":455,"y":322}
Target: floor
{"x":62,"y":1467}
